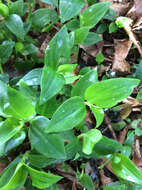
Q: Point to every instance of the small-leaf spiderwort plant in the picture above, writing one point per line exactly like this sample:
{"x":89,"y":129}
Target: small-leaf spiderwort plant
{"x":40,"y":112}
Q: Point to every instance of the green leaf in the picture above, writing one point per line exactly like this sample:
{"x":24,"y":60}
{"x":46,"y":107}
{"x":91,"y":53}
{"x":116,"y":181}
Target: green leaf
{"x":18,"y":178}
{"x":68,"y":115}
{"x":44,"y":16}
{"x":59,"y":49}
{"x":48,"y":108}
{"x":81,"y":34}
{"x":90,"y":138}
{"x":17,"y":7}
{"x":50,"y":145}
{"x":29,"y":49}
{"x":98,"y":113}
{"x":91,"y":39}
{"x":108,"y":93}
{"x":107,"y":146}
{"x":51,"y":84}
{"x":52,"y":2}
{"x":33,"y":77}
{"x":42,"y":179}
{"x":5,"y":51}
{"x":126,"y":169}
{"x":15,"y":141}
{"x":15,"y":24}
{"x":87,"y":182}
{"x":3,"y":96}
{"x":83,"y":83}
{"x":70,"y":8}
{"x":115,"y":187}
{"x":19,"y":106}
{"x":93,"y":14}
{"x":8,"y":129}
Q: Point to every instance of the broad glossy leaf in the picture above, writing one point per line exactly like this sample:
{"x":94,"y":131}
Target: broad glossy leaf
{"x":9,"y":171}
{"x":59,"y":49}
{"x":93,"y":14}
{"x":17,"y":7}
{"x":126,"y":169}
{"x":87,"y":182}
{"x":51,"y":84}
{"x":15,"y":141}
{"x":18,"y":179}
{"x":19,"y":106}
{"x":70,"y":8}
{"x":92,"y":38}
{"x":42,"y":179}
{"x":15,"y":24}
{"x":3,"y":96}
{"x":68,"y":115}
{"x":44,"y":16}
{"x":81,"y":34}
{"x":48,"y":108}
{"x":6,"y":50}
{"x":90,"y":138}
{"x":29,"y":49}
{"x":8,"y":129}
{"x":33,"y":77}
{"x":83,"y":83}
{"x":50,"y":145}
{"x":108,"y":93}
{"x":52,"y":2}
{"x":98,"y":113}
{"x":107,"y":146}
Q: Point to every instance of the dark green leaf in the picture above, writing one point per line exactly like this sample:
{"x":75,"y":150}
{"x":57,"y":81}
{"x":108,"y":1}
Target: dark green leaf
{"x":93,"y":14}
{"x":44,"y":16}
{"x":42,"y":179}
{"x":51,"y":84}
{"x":82,"y":84}
{"x":107,"y":146}
{"x":50,"y":145}
{"x":15,"y":24}
{"x":108,"y":93}
{"x":68,"y":115}
{"x":29,"y":49}
{"x":125,"y":169}
{"x":5,"y":51}
{"x":92,"y":38}
{"x":17,"y":7}
{"x":70,"y":8}
{"x":87,"y":182}
{"x":59,"y":49}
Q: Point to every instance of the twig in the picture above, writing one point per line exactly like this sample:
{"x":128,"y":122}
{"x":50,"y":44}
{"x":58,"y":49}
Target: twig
{"x":108,"y":122}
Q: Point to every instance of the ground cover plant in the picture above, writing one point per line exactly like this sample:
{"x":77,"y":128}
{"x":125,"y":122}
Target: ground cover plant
{"x":70,"y":95}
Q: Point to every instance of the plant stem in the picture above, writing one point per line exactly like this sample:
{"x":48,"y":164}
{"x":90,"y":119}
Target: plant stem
{"x":1,"y":69}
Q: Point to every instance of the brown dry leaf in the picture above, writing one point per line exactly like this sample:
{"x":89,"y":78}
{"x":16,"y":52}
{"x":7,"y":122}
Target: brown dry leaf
{"x":93,"y":50}
{"x":122,"y":135}
{"x":126,"y":109}
{"x":120,"y":8}
{"x":138,"y":5}
{"x":122,"y":48}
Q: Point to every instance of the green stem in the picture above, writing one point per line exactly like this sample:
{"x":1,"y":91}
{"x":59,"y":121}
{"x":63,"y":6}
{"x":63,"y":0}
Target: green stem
{"x":1,"y":69}
{"x":30,"y":11}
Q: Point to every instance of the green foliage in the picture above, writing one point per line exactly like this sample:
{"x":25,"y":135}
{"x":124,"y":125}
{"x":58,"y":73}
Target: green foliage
{"x":44,"y":113}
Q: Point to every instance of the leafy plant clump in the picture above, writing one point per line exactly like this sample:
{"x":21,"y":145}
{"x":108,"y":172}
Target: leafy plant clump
{"x":44,"y":128}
